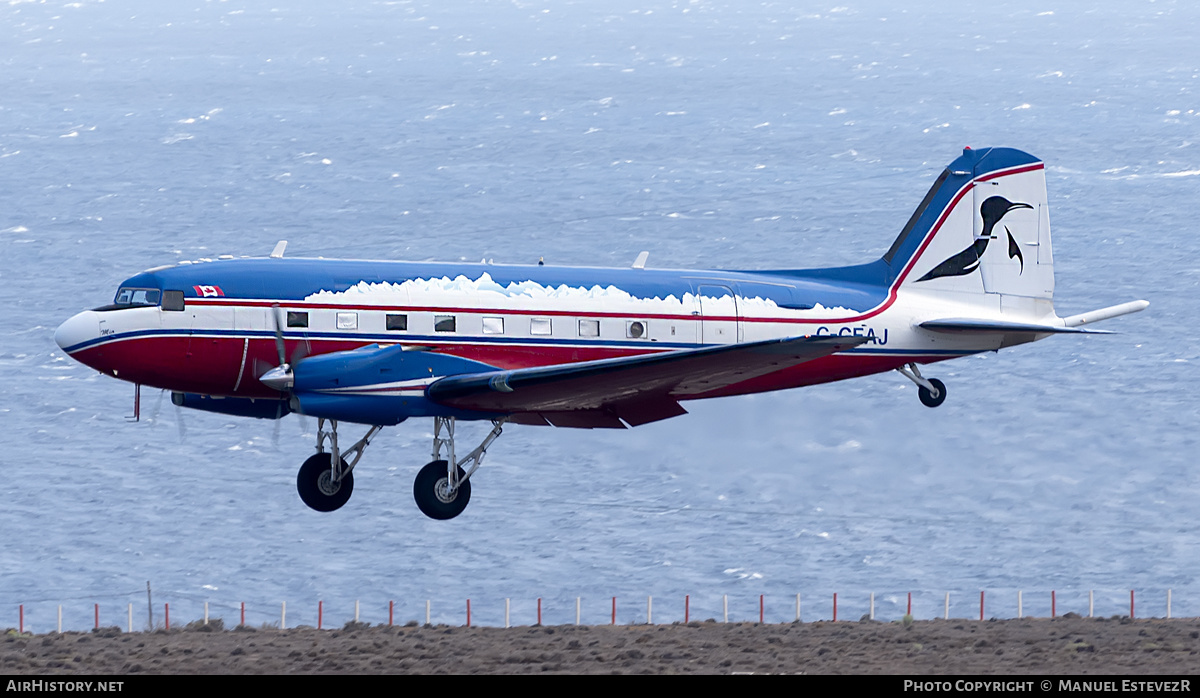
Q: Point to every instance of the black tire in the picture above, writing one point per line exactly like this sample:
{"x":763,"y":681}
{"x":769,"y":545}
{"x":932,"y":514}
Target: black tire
{"x":313,"y":484}
{"x":425,"y":490}
{"x":927,"y":397}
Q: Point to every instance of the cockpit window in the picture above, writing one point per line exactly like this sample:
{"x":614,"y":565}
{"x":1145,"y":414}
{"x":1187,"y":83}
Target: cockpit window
{"x":137,"y":296}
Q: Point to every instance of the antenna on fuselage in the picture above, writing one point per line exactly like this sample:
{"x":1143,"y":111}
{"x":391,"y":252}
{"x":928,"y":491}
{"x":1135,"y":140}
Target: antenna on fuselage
{"x":280,"y":246}
{"x":640,"y":262}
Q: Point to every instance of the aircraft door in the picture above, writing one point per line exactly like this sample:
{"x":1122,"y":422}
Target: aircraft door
{"x":719,"y":322}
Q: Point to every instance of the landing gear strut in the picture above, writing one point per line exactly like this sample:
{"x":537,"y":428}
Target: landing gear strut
{"x":442,"y":488}
{"x":931,"y":390}
{"x":326,"y":481}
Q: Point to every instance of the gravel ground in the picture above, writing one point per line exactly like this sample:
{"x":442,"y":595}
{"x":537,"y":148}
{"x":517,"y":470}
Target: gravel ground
{"x":1067,"y":645}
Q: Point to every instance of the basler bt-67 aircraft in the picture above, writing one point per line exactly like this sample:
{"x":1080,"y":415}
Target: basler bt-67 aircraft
{"x":376,"y":342}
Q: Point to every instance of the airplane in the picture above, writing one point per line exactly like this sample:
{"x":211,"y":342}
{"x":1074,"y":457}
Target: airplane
{"x":380,"y":342}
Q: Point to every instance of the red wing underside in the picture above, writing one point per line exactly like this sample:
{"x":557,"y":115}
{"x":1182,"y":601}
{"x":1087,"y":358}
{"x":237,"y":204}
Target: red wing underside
{"x":610,"y":393}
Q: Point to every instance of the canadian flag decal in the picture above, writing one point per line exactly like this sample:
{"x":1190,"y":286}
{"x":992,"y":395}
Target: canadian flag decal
{"x":209,"y":291}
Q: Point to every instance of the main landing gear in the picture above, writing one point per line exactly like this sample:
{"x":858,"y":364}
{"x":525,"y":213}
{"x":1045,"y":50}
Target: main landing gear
{"x":442,"y":488}
{"x":326,"y":480}
{"x":931,"y":390}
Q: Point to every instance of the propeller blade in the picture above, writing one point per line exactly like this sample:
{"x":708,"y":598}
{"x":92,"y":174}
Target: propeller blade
{"x":179,"y":424}
{"x":299,"y":354}
{"x":276,"y":312}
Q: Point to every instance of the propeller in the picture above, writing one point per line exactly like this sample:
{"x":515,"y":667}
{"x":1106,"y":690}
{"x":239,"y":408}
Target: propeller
{"x":282,"y":377}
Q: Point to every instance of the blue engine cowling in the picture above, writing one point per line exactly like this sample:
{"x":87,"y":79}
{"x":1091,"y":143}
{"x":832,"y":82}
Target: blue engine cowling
{"x":377,"y":385}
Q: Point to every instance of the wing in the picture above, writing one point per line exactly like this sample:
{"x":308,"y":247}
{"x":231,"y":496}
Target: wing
{"x":636,"y":389}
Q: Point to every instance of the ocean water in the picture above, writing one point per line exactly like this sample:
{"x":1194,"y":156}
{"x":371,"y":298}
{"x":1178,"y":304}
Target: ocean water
{"x":713,"y":134}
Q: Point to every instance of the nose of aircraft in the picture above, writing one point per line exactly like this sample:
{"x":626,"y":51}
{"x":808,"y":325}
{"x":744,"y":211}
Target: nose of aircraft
{"x":77,"y":330}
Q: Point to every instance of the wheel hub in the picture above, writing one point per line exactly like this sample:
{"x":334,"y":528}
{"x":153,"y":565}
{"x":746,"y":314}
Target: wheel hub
{"x":444,"y":494}
{"x":326,"y":484}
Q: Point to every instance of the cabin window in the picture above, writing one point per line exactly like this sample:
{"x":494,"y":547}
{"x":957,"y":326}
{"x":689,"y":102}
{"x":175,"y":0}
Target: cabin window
{"x":172,"y":300}
{"x":297,"y":318}
{"x":540,"y":326}
{"x":589,"y":328}
{"x":347,"y":321}
{"x":444,"y":323}
{"x":397,"y":322}
{"x":137,"y":296}
{"x":493,"y":325}
{"x":635,"y":329}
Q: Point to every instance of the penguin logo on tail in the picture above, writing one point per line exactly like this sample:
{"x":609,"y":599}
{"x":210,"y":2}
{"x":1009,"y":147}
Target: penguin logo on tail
{"x":992,"y":210}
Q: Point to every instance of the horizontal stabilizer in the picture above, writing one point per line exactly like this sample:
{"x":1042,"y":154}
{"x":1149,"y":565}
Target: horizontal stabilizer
{"x":979,"y":326}
{"x":637,"y":389}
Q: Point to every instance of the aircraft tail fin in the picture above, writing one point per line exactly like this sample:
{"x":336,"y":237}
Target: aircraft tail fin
{"x":982,"y":235}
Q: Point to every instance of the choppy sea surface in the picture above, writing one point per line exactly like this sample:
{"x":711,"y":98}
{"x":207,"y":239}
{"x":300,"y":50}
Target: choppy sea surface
{"x":713,"y":134}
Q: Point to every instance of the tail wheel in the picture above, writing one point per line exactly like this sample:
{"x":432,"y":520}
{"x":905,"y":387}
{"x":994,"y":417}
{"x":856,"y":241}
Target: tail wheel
{"x":928,"y":398}
{"x":431,"y":490}
{"x":316,"y":487}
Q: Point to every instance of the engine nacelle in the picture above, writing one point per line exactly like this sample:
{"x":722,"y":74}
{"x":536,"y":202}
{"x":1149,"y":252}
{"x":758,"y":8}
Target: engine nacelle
{"x":377,"y":385}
